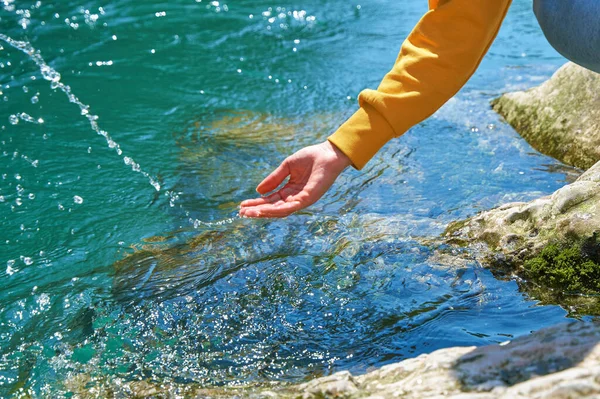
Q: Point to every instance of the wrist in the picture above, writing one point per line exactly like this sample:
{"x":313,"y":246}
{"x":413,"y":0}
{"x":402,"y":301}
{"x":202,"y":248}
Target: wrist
{"x":341,"y":159}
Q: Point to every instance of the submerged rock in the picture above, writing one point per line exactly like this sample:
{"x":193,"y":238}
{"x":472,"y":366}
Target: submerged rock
{"x":242,"y":130}
{"x":557,"y":362}
{"x":560,"y":118}
{"x":188,"y":260}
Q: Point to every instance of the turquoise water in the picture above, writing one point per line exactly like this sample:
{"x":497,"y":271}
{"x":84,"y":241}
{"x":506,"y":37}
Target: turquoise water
{"x":121,"y":256}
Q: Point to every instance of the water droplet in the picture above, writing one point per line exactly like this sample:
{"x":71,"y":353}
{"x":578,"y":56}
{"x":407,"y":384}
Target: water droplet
{"x":35,"y":99}
{"x":9,"y":268}
{"x":77,"y":199}
{"x":49,"y":73}
{"x":31,"y":196}
{"x":28,"y":261}
{"x":114,"y":37}
{"x":13,"y":119}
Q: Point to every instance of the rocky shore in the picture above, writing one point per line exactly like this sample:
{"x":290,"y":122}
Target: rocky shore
{"x":558,"y":362}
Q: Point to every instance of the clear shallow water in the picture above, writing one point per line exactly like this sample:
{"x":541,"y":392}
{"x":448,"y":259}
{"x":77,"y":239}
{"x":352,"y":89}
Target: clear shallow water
{"x":206,"y":100}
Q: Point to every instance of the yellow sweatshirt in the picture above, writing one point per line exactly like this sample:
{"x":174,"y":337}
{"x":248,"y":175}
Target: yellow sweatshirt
{"x":435,"y":61}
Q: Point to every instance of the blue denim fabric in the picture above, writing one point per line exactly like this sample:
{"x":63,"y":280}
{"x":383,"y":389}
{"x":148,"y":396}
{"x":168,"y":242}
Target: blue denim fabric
{"x":573,"y":28}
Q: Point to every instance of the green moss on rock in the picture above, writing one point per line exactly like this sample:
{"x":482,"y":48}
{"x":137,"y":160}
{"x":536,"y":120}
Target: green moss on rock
{"x":569,"y":268}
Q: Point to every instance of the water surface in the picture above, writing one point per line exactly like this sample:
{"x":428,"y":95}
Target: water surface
{"x":122,"y":257}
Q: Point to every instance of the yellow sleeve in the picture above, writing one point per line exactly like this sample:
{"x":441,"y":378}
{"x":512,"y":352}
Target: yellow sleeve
{"x":435,"y":61}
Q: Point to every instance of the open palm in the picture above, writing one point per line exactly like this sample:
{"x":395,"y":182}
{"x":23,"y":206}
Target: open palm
{"x":312,"y":170}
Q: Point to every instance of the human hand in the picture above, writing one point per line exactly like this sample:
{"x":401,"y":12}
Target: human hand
{"x":312,"y":170}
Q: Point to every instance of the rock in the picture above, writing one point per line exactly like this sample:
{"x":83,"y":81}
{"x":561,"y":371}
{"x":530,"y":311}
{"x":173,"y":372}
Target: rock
{"x":557,"y":362}
{"x":560,"y":118}
{"x":341,"y":384}
{"x":516,"y":231}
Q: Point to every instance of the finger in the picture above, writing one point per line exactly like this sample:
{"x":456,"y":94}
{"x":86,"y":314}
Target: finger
{"x":272,"y":210}
{"x":271,"y":182}
{"x":253,"y":202}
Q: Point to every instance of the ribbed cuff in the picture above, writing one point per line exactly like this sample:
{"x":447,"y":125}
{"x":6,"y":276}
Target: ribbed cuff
{"x":362,"y":135}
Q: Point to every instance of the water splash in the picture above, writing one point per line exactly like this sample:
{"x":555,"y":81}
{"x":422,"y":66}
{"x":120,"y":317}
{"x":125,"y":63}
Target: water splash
{"x":197,"y":223}
{"x":54,"y":78}
{"x":14,"y":119}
